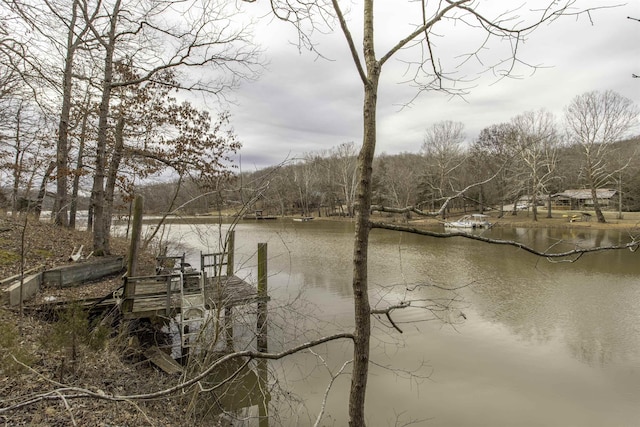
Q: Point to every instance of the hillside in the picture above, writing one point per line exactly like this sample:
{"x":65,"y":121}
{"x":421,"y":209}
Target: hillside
{"x":56,"y":355}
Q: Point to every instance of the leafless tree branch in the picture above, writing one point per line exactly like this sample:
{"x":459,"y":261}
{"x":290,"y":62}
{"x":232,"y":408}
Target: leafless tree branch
{"x":633,"y":245}
{"x":70,"y":392}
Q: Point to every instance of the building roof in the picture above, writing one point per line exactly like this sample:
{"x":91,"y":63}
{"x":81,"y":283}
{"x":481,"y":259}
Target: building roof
{"x":583,"y":194}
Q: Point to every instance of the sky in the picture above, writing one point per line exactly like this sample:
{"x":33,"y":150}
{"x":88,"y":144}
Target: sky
{"x":303,"y":103}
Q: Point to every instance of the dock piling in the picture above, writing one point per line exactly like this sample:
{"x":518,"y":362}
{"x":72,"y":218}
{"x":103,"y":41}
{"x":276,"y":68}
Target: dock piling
{"x":262,"y":341}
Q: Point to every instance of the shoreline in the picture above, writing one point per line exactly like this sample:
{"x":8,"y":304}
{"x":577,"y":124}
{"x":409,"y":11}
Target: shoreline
{"x":556,"y":222}
{"x":559,"y":219}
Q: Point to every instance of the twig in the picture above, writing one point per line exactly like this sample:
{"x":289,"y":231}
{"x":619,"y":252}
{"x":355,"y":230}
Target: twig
{"x":79,"y":392}
{"x":328,"y":389}
{"x":68,"y":408}
{"x":387,"y":312}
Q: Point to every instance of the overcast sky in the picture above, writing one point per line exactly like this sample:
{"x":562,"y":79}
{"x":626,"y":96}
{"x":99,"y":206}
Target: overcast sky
{"x":304,"y":104}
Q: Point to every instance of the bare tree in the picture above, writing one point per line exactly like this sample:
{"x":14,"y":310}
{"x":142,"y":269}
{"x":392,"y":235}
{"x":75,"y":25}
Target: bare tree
{"x":57,"y":27}
{"x":397,"y":178}
{"x":25,"y":149}
{"x":595,"y":120}
{"x":206,"y":39}
{"x":304,"y":180}
{"x":345,"y":155}
{"x":537,"y":141}
{"x":495,"y":150}
{"x":443,"y":151}
{"x":75,"y":38}
{"x":83,"y":135}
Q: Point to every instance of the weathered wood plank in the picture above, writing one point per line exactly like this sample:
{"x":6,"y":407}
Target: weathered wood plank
{"x":150,"y":296}
{"x":163,"y":361}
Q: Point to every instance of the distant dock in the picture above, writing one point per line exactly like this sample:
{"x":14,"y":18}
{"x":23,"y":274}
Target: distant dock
{"x":258,"y":215}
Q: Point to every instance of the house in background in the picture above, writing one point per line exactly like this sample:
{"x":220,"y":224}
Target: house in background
{"x":526,"y":201}
{"x":582,"y":199}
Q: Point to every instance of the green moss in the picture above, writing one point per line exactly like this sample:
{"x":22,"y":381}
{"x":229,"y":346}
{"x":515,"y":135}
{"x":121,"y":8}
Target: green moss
{"x":8,"y":257}
{"x":44,"y":253}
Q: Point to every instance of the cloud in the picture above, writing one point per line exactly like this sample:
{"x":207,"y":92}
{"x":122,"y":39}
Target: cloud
{"x":305,"y":103}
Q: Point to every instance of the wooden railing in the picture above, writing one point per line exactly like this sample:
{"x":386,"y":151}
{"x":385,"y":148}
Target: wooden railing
{"x":160,"y":294}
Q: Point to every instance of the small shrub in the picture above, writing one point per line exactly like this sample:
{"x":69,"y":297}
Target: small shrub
{"x":9,"y":348}
{"x":73,"y":332}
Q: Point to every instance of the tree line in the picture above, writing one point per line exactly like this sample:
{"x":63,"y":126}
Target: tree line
{"x":515,"y":165}
{"x":93,"y":99}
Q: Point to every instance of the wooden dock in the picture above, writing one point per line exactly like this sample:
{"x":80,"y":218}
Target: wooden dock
{"x":182,"y":295}
{"x":258,"y":215}
{"x":160,"y":295}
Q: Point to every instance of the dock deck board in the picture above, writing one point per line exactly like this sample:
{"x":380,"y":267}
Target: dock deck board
{"x":220,"y":292}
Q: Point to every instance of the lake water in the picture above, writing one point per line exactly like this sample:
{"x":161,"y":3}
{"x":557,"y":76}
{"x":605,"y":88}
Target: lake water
{"x":526,"y":342}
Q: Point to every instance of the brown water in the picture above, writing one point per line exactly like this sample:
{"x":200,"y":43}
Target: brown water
{"x":543,"y":344}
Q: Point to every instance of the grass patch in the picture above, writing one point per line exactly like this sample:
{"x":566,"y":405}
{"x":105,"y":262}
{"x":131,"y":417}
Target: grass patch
{"x":8,"y":257}
{"x":44,"y":253}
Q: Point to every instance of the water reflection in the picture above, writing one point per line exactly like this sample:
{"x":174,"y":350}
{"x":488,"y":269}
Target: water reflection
{"x":531,"y":323}
{"x":588,"y":305}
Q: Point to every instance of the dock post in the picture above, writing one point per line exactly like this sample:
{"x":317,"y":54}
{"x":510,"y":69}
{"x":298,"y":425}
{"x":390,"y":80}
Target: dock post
{"x":228,"y":311}
{"x":262,"y":297}
{"x":262,"y":343}
{"x":228,"y":327}
{"x":136,"y":229}
{"x":132,"y":260}
{"x":230,"y":249}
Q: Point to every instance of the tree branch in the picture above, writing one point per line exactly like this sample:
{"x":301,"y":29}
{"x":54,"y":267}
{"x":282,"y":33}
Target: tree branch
{"x":387,"y":312}
{"x":632,"y":246}
{"x":66,"y":393}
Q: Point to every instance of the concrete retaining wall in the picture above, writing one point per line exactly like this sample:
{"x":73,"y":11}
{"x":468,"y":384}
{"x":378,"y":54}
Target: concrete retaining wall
{"x":31,"y":286}
{"x":75,"y":274}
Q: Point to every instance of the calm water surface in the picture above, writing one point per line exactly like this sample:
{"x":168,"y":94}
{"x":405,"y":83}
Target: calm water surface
{"x":543,"y":344}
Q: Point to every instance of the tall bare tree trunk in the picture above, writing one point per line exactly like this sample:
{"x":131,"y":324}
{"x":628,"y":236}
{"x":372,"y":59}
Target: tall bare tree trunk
{"x":62,"y":152}
{"x":112,"y":175}
{"x":43,"y":188}
{"x":17,"y":166}
{"x":362,"y":309}
{"x":620,"y":196}
{"x":596,"y":205}
{"x":73,"y":209}
{"x":593,"y":186}
{"x":101,"y":224}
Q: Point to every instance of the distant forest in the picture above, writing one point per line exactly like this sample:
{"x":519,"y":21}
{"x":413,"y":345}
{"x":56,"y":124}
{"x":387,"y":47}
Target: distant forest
{"x":323,"y":183}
